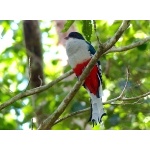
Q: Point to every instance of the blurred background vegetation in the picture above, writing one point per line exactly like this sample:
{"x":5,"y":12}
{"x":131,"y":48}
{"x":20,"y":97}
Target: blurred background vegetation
{"x":27,"y":113}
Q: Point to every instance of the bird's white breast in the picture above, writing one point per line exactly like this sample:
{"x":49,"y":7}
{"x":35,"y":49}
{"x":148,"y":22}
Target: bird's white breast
{"x":77,"y":51}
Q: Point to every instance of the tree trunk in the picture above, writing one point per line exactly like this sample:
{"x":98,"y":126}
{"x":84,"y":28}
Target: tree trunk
{"x":32,"y":36}
{"x":33,"y":44}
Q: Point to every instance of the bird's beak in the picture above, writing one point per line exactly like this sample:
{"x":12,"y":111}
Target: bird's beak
{"x":67,"y":38}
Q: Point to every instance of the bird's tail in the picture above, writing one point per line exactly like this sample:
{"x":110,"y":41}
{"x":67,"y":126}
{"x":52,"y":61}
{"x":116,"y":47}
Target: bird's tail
{"x":97,"y":111}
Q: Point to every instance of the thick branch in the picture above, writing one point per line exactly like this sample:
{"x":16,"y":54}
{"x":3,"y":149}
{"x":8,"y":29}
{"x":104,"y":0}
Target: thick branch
{"x":128,"y":47}
{"x":84,"y":110}
{"x":49,"y":122}
{"x":115,"y":38}
{"x":34,"y":91}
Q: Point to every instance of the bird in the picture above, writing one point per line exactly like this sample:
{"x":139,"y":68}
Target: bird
{"x":80,"y":52}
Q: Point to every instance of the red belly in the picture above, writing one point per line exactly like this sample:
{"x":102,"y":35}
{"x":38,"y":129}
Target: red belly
{"x":92,"y":81}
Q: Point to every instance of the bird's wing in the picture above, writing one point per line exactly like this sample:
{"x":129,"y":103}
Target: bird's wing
{"x":91,"y":48}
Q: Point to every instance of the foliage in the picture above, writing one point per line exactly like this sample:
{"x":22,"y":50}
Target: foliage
{"x":87,"y":29}
{"x":67,"y":25}
{"x":14,"y":76}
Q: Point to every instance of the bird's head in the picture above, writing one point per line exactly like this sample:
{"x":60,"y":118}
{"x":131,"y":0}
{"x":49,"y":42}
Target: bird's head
{"x":75,"y":35}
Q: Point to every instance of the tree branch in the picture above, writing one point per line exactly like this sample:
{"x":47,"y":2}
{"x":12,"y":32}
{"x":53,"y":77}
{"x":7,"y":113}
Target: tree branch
{"x":115,"y":38}
{"x":34,"y":90}
{"x":95,"y":29}
{"x":127,"y":74}
{"x":128,"y":47}
{"x":72,"y":114}
{"x":49,"y":122}
{"x":29,"y":74}
{"x":122,"y":93}
{"x":87,"y":109}
{"x":137,"y":97}
{"x":108,"y":102}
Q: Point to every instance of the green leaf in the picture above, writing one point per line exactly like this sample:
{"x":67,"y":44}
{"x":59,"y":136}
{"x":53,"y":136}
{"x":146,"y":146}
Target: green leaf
{"x":67,"y":25}
{"x":142,"y":47}
{"x":87,"y":29}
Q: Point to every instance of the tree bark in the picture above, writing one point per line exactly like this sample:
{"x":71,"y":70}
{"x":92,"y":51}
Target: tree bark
{"x":32,"y":36}
{"x":34,"y":51}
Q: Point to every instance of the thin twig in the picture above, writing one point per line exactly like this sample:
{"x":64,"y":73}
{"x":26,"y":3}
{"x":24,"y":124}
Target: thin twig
{"x":127,"y":78}
{"x":95,"y":28}
{"x":29,"y":74}
{"x":122,"y":92}
{"x":128,"y":47}
{"x":34,"y":91}
{"x":41,"y":82}
{"x":108,"y":102}
{"x":137,"y":97}
{"x":84,"y":110}
{"x":72,"y":114}
{"x":32,"y":124}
